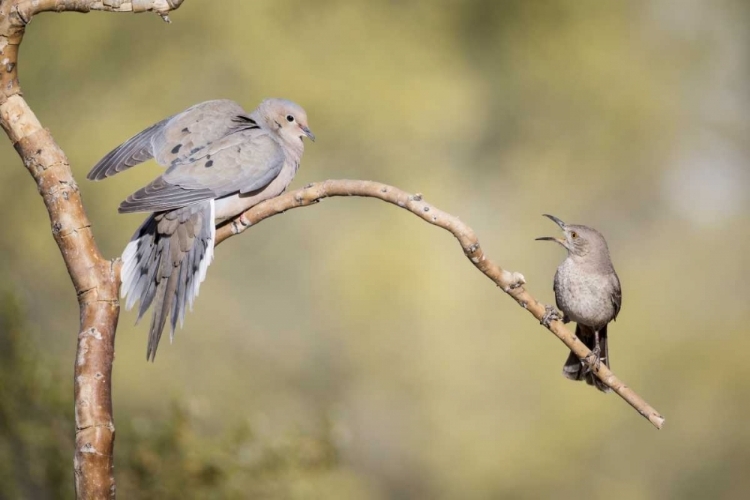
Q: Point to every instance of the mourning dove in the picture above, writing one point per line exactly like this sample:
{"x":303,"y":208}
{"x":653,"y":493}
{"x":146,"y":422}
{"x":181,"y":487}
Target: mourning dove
{"x":587,"y":291}
{"x":220,"y":161}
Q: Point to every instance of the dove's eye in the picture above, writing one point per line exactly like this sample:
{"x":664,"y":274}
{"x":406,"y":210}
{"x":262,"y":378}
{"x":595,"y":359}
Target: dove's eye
{"x":289,"y":118}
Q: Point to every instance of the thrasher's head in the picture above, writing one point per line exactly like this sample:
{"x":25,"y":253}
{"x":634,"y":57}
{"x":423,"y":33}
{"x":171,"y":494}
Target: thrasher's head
{"x":578,"y":240}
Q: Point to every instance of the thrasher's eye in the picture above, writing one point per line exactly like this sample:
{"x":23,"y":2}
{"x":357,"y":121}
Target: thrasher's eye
{"x":289,"y":118}
{"x":574,"y":235}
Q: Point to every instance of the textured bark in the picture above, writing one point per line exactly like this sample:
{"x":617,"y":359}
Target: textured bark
{"x":26,"y":9}
{"x":510,"y":282}
{"x":94,"y":278}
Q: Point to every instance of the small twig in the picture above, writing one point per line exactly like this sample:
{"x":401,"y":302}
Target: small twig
{"x":510,"y":282}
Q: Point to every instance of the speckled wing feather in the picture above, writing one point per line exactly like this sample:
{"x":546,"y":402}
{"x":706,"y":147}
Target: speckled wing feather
{"x":242,"y":161}
{"x":171,"y":140}
{"x":135,"y":150}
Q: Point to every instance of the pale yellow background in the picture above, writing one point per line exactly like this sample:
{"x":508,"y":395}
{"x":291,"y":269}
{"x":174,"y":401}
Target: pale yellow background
{"x":631,"y":117}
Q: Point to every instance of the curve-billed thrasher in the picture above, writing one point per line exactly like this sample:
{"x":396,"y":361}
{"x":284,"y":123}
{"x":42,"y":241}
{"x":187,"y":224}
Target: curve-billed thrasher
{"x":220,"y":161}
{"x":587,"y":291}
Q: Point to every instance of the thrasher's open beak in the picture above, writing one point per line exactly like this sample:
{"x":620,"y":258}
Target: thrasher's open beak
{"x":555,"y":220}
{"x":550,"y":238}
{"x":308,"y":132}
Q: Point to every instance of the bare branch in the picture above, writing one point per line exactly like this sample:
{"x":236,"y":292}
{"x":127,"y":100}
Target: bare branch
{"x":510,"y":282}
{"x":28,"y":8}
{"x":94,"y":278}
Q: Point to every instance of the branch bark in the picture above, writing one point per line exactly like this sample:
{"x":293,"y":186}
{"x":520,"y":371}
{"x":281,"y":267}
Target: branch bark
{"x":94,"y":278}
{"x":509,"y":282}
{"x":26,"y":9}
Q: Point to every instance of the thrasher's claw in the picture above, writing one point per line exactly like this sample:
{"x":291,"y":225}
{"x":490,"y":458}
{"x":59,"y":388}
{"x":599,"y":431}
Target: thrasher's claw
{"x":550,"y":314}
{"x":597,"y":361}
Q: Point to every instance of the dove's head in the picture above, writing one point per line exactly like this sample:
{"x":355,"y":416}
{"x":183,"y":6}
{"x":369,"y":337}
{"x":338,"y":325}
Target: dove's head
{"x":287,"y":119}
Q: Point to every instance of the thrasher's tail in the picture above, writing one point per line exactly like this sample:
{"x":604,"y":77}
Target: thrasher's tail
{"x":165,"y":263}
{"x":574,"y":369}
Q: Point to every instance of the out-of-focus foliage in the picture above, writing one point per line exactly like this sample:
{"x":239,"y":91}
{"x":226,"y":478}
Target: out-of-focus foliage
{"x":35,"y":418}
{"x":355,"y":317}
{"x":158,"y":459}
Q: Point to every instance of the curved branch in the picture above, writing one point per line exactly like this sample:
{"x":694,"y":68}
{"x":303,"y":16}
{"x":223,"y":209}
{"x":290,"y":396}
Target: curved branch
{"x":28,"y":8}
{"x":510,"y":282}
{"x":94,"y":278}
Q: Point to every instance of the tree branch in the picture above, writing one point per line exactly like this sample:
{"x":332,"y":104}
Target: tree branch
{"x":510,"y":282}
{"x":26,"y":9}
{"x":94,"y":278}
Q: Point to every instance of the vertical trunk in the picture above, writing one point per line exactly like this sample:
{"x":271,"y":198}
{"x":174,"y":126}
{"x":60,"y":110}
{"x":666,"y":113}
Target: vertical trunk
{"x":96,"y":281}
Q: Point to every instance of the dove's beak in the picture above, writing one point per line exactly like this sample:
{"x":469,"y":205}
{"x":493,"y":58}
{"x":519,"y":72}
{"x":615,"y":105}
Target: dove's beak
{"x":308,"y":132}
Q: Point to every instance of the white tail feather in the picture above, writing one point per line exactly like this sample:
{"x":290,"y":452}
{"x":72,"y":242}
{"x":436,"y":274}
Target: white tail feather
{"x":127,"y":276}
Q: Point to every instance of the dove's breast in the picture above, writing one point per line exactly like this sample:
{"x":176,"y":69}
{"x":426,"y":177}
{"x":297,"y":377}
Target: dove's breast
{"x":235,"y":204}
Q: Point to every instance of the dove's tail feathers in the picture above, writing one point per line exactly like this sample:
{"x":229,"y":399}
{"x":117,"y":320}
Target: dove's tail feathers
{"x":575,"y":369}
{"x":165,"y":263}
{"x":130,"y":153}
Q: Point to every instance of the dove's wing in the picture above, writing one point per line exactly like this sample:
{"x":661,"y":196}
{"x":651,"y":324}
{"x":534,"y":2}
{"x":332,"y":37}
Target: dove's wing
{"x":240,"y":162}
{"x":176,"y":138}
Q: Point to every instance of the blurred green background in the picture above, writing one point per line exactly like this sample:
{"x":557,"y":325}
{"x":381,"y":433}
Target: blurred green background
{"x":350,"y":350}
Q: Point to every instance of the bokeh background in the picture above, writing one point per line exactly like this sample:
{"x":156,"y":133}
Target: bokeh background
{"x":349,"y":350}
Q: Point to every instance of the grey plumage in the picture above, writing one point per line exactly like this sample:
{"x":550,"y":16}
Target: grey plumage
{"x":587,"y":291}
{"x":220,"y":161}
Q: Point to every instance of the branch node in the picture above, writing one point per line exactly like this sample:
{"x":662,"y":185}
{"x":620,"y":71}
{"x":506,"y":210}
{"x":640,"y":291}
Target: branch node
{"x":87,"y":448}
{"x":19,"y":14}
{"x":114,"y":268}
{"x":516,"y":280}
